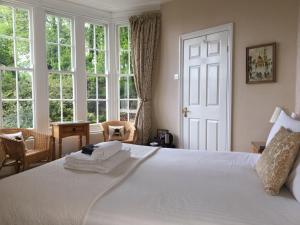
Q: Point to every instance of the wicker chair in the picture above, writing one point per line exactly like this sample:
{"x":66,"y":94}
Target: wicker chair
{"x":130,"y":131}
{"x":15,"y":152}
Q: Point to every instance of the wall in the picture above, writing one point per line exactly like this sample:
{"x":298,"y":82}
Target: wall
{"x":255,"y":22}
{"x":297,"y":93}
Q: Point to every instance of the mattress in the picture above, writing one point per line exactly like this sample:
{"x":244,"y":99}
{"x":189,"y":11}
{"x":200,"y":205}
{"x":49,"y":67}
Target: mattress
{"x":184,"y":187}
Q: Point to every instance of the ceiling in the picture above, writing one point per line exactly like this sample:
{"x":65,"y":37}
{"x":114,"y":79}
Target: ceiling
{"x":118,"y":5}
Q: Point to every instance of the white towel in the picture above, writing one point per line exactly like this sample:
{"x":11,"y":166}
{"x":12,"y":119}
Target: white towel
{"x":80,"y":161}
{"x":105,"y":150}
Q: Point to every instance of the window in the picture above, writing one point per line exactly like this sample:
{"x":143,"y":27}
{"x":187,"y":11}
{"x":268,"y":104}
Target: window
{"x":95,"y":54}
{"x":127,"y":92}
{"x":16,"y":68}
{"x":60,"y":66}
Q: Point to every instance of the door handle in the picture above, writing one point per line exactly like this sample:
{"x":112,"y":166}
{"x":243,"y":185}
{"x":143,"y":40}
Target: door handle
{"x":185,"y":111}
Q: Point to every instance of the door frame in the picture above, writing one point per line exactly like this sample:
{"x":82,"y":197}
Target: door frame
{"x":226,"y":27}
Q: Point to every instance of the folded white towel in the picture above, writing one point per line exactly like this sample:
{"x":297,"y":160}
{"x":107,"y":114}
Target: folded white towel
{"x":80,"y":161}
{"x":105,"y":150}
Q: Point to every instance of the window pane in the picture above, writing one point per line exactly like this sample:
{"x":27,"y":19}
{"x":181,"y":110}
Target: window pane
{"x":22,"y":23}
{"x":9,"y":85}
{"x":9,"y":113}
{"x":6,"y":18}
{"x":100,"y":37}
{"x":91,"y":87}
{"x":7,"y":52}
{"x":101,"y":88}
{"x":23,"y":54}
{"x":89,"y":58}
{"x":124,"y":116}
{"x":55,"y":110}
{"x":133,"y":104}
{"x":54,"y":86}
{"x":132,"y":117}
{"x":124,"y":62}
{"x":26,"y":115}
{"x":65,"y":31}
{"x":25,"y":85}
{"x":65,"y":58}
{"x":100,"y":62}
{"x":67,"y":86}
{"x":102,"y":111}
{"x":92,"y":111}
{"x":89,"y":35}
{"x":123,"y":105}
{"x":132,"y":90}
{"x":123,"y":88}
{"x":68,"y":111}
{"x":123,"y":38}
{"x":52,"y":57}
{"x":51,"y":29}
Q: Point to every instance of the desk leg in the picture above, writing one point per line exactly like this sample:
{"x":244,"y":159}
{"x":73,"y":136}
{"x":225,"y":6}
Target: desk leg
{"x":80,"y":142}
{"x":87,"y":140}
{"x":53,"y":149}
{"x":60,"y":148}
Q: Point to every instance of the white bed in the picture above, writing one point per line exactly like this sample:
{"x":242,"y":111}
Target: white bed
{"x":167,"y":187}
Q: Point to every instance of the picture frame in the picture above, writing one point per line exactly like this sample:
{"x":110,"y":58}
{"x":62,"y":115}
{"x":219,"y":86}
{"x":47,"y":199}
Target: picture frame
{"x":261,"y":63}
{"x":161,"y":133}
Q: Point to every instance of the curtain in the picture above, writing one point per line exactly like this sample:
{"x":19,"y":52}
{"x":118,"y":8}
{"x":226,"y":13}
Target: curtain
{"x":145,"y":34}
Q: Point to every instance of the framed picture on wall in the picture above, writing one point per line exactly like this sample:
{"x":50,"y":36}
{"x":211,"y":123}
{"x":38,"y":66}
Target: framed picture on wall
{"x":261,"y":64}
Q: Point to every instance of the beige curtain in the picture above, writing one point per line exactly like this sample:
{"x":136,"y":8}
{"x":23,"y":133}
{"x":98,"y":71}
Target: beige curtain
{"x":145,"y":33}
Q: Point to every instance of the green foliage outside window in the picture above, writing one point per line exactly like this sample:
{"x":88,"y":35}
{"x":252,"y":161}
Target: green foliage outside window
{"x":59,"y":58}
{"x":16,"y":86}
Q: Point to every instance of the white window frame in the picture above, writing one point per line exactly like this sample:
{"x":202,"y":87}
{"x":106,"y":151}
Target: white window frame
{"x":118,"y":51}
{"x":59,"y":71}
{"x":17,"y":69}
{"x":106,"y":74}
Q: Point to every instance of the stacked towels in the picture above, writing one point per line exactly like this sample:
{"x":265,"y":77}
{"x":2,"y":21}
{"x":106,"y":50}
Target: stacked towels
{"x":104,"y":158}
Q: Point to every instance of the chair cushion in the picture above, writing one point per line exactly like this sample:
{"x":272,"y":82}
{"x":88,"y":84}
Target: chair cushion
{"x":16,"y":136}
{"x":116,"y":133}
{"x":276,"y":161}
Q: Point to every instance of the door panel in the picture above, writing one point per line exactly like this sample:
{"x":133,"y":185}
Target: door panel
{"x":205,"y":84}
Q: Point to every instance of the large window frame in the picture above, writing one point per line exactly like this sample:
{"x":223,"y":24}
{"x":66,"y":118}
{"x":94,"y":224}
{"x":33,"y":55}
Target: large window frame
{"x":62,"y":73}
{"x":19,"y":71}
{"x":128,"y":78}
{"x":95,"y":75}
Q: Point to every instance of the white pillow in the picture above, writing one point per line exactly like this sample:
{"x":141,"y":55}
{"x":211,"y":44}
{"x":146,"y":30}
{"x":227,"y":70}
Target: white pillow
{"x":17,"y":136}
{"x":284,"y":120}
{"x":293,"y":181}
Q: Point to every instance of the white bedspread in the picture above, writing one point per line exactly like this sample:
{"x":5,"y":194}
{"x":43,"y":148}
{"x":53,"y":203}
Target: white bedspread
{"x":52,"y":195}
{"x":182,"y":187}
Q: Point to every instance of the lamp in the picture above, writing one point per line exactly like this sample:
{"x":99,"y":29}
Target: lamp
{"x":276,"y":114}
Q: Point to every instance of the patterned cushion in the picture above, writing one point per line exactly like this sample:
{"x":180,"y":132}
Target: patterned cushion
{"x":277,"y":160}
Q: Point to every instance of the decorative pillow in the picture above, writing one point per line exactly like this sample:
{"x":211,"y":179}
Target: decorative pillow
{"x":284,"y":120}
{"x":16,"y":136}
{"x":276,"y":161}
{"x":116,"y":133}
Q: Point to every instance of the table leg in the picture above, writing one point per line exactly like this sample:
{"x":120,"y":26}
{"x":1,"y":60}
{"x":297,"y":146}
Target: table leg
{"x":80,"y":142}
{"x":60,"y":148}
{"x":53,"y":149}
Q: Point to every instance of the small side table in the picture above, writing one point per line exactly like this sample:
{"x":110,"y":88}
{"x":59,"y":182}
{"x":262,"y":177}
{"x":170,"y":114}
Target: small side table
{"x":258,"y":146}
{"x":62,"y":130}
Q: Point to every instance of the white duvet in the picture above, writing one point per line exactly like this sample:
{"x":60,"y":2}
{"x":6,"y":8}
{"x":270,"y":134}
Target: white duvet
{"x":183,"y":187}
{"x":178,"y":187}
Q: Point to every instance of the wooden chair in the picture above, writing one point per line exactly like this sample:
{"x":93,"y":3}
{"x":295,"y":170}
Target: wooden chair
{"x":130,"y":131}
{"x":15,"y":152}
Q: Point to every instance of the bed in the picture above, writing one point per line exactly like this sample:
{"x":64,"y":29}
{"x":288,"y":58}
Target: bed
{"x":157,"y":187}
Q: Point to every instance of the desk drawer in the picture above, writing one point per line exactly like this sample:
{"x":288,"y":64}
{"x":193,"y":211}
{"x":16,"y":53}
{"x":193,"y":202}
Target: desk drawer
{"x":72,"y":130}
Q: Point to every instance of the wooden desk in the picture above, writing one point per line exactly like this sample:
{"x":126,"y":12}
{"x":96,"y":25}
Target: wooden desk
{"x":62,"y":130}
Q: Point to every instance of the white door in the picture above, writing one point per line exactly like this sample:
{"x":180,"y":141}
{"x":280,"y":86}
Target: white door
{"x":205,"y":89}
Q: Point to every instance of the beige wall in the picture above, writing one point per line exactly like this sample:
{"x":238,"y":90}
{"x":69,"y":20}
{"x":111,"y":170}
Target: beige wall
{"x":255,"y":22}
{"x":297,"y":96}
